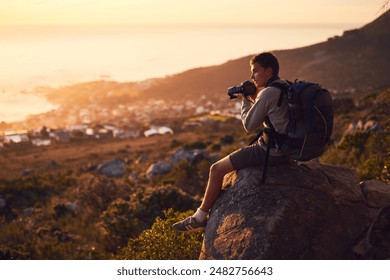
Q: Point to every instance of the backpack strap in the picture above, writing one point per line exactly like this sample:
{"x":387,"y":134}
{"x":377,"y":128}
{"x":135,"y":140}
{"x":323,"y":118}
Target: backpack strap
{"x":269,"y":133}
{"x":283,"y":90}
{"x":283,"y":87}
{"x":265,"y":164}
{"x":277,"y":137}
{"x":273,"y":138}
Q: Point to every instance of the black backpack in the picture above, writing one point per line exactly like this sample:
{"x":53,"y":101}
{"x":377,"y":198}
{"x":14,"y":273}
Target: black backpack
{"x":310,"y":121}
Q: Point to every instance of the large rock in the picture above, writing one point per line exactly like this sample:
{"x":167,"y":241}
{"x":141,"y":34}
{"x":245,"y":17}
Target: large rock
{"x":114,"y":168}
{"x":375,"y":243}
{"x":377,"y":193}
{"x":157,"y":169}
{"x":310,"y":211}
{"x":190,"y":156}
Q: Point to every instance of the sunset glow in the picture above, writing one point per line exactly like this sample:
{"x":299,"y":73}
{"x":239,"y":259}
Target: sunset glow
{"x":201,"y":12}
{"x":57,"y":42}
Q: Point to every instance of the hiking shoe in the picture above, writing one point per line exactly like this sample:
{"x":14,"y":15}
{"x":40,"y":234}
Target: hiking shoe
{"x":189,"y":225}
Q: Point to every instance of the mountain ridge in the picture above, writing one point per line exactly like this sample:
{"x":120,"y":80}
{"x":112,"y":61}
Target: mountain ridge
{"x":357,"y":59}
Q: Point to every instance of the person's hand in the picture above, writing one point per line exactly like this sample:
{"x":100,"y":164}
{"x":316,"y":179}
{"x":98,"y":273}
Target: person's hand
{"x":240,"y":96}
{"x":253,"y":97}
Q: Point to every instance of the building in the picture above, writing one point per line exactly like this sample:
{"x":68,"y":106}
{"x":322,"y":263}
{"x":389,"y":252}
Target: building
{"x":16,"y":137}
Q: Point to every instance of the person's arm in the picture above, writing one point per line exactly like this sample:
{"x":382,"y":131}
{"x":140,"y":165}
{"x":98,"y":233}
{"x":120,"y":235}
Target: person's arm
{"x":253,"y":114}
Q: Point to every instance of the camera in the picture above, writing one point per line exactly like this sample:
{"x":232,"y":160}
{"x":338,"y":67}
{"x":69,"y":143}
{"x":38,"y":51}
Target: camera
{"x":246,"y":88}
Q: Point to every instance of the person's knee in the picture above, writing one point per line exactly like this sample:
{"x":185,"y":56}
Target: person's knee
{"x":217,"y":169}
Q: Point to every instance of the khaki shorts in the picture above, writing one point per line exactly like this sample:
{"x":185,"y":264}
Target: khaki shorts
{"x":253,"y":155}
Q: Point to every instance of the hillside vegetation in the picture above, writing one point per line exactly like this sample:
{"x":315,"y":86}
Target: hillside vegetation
{"x":65,"y":210}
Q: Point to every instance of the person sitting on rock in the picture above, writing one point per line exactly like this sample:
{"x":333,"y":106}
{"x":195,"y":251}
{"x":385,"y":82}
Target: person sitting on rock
{"x":254,"y":110}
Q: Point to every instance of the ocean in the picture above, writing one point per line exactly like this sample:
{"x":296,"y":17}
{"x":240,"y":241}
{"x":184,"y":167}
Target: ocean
{"x":34,"y":56}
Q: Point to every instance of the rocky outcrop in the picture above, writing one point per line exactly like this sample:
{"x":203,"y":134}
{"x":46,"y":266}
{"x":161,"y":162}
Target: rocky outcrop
{"x":375,"y":243}
{"x":311,"y":211}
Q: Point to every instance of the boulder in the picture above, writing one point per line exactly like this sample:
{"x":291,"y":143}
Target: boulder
{"x":190,"y":156}
{"x":311,"y":211}
{"x":114,"y":168}
{"x":158,"y":168}
{"x":375,"y":243}
{"x":377,"y":193}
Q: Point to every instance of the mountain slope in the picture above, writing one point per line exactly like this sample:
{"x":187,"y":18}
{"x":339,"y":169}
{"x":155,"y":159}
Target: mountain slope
{"x":358,"y":59}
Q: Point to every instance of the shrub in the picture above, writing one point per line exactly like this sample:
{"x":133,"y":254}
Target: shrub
{"x":216,"y":147}
{"x":13,"y":236}
{"x":363,"y":151}
{"x":176,"y":143}
{"x":357,"y":140}
{"x":24,"y":192}
{"x":162,"y":243}
{"x":227,"y":140}
{"x":9,"y":254}
{"x":187,"y":177}
{"x":196,"y":145}
{"x":371,"y":168}
{"x":97,"y":193}
{"x":124,"y":219}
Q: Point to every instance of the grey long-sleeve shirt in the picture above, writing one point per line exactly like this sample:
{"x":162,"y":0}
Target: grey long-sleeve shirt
{"x":253,"y":114}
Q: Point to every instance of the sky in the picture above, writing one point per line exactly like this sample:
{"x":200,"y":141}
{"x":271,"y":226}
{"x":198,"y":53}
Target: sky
{"x":189,"y":12}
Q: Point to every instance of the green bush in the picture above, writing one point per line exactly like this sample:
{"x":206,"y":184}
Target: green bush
{"x":124,"y":219}
{"x":13,"y":237}
{"x":162,"y":243}
{"x":372,"y":168}
{"x":24,"y":192}
{"x":188,"y":177}
{"x":364,"y":151}
{"x":356,"y":140}
{"x":97,"y":193}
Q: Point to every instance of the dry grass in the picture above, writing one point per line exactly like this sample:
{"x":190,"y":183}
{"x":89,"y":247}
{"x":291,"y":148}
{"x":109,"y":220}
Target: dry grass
{"x":74,"y":155}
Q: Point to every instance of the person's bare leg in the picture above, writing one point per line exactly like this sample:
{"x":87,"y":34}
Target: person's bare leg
{"x":214,"y":185}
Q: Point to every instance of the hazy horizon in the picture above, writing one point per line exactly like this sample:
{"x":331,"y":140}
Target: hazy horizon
{"x":56,"y":43}
{"x":39,"y":48}
{"x":49,"y":56}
